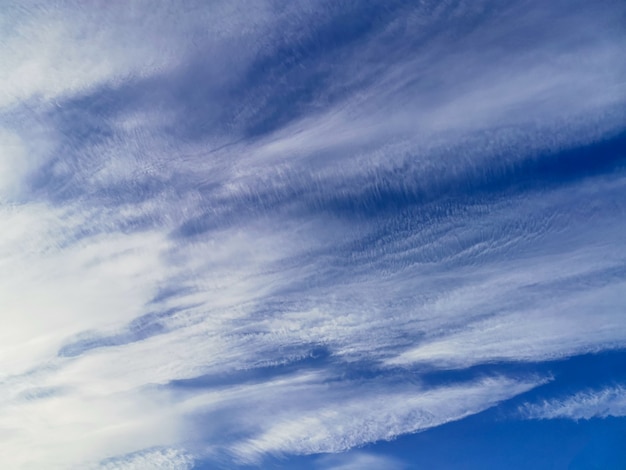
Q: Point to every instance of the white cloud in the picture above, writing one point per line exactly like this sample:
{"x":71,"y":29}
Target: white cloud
{"x":69,"y":427}
{"x":12,"y":162}
{"x":318,"y":420}
{"x":610,"y":401}
{"x":160,"y":459}
{"x":52,"y":53}
{"x":358,"y":461}
{"x":583,"y":323}
{"x":560,"y":90}
{"x":515,"y":276}
{"x":52,"y":291}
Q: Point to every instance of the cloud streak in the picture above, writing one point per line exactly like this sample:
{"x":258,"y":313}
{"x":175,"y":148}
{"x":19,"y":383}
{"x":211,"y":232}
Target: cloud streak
{"x":610,"y":401}
{"x":351,"y":422}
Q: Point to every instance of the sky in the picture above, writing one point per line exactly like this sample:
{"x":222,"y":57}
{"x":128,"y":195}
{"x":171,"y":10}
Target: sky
{"x":312,"y":234}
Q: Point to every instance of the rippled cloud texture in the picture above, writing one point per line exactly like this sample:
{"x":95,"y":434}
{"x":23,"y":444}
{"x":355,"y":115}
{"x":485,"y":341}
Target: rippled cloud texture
{"x":242,"y":233}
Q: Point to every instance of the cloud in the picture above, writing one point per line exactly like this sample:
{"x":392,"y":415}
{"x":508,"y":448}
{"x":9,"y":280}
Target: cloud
{"x":233,"y":231}
{"x":610,"y":401}
{"x":583,"y":323}
{"x":342,"y":419}
{"x":53,"y":53}
{"x":166,"y":459}
{"x":52,"y":291}
{"x":38,"y":430}
{"x":358,"y":460}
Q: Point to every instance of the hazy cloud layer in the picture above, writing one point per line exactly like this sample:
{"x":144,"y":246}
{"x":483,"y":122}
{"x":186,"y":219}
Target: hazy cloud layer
{"x":230,"y":231}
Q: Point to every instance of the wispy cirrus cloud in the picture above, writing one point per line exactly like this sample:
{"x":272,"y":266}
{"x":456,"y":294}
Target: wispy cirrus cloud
{"x":588,"y":404}
{"x":167,"y":459}
{"x":356,"y":460}
{"x":352,"y":421}
{"x":231,"y":230}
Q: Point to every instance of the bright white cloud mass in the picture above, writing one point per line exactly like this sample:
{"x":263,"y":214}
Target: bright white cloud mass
{"x":238,"y":231}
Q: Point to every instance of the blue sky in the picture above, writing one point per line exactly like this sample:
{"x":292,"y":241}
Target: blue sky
{"x":313,"y":235}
